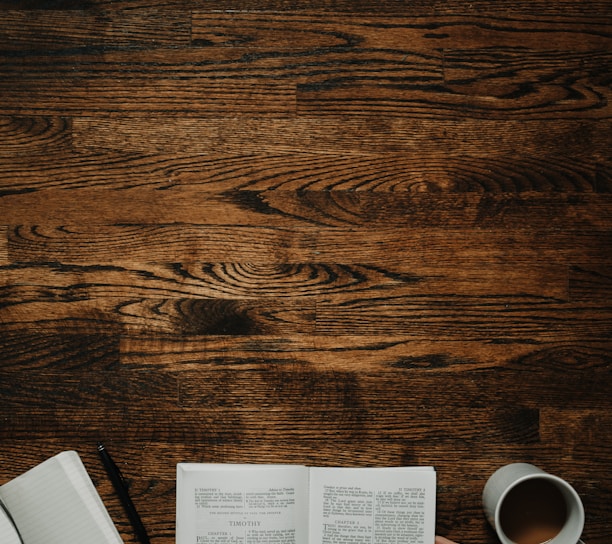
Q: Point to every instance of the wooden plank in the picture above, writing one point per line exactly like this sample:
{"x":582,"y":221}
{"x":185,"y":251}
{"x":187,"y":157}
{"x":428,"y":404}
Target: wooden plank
{"x":561,"y":8}
{"x":213,"y":64}
{"x":61,"y":30}
{"x":409,"y":252}
{"x":478,"y":247}
{"x":123,"y":95}
{"x":346,"y":135}
{"x":302,"y":171}
{"x":135,"y":205}
{"x":304,"y":31}
{"x":289,"y":209}
{"x":392,"y":257}
{"x":248,"y":280}
{"x":500,"y":318}
{"x":51,"y":348}
{"x":339,"y":208}
{"x":341,"y":353}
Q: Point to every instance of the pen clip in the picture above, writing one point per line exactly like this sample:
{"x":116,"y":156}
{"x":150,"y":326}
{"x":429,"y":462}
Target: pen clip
{"x":111,"y":462}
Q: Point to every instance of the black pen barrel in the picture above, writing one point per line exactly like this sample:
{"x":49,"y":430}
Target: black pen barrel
{"x":121,"y":489}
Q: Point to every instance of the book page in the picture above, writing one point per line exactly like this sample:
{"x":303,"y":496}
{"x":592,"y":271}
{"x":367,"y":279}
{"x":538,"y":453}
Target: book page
{"x":57,"y":503}
{"x":8,"y":532}
{"x":241,"y":504}
{"x":372,"y":505}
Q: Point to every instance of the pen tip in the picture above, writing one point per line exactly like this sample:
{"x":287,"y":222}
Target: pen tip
{"x":100,"y":446}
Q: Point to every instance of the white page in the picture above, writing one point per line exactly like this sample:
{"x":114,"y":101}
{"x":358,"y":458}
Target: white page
{"x":372,"y":505}
{"x":57,"y":503}
{"x":8,"y":533}
{"x":240,"y":504}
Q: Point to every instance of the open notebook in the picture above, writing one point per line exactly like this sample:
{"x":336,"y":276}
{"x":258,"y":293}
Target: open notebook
{"x":55,"y":503}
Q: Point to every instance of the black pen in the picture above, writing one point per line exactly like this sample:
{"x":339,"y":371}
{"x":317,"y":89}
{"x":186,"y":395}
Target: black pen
{"x":121,"y":488}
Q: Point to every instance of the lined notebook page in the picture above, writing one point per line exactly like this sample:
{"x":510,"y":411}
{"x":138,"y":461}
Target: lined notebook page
{"x":57,"y":503}
{"x":8,"y":535}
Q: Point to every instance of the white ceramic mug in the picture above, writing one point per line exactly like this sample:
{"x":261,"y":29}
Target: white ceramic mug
{"x":504,"y":488}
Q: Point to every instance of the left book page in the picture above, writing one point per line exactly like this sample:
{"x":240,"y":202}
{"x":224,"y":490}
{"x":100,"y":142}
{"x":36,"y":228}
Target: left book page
{"x":240,"y":504}
{"x":57,"y":503}
{"x":8,"y":531}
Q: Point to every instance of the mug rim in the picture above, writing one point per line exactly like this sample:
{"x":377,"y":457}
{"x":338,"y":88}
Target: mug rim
{"x":567,"y":488}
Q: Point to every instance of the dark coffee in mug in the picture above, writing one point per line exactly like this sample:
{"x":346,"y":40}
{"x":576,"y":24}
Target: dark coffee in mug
{"x":533,"y":512}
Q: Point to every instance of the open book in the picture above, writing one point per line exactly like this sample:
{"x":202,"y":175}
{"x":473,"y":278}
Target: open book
{"x":294,"y":504}
{"x":55,"y":503}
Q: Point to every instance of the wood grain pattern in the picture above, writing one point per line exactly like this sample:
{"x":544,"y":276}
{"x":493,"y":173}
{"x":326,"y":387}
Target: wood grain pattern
{"x":318,"y":233}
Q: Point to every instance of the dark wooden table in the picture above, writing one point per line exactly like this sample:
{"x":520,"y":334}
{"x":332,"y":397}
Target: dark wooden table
{"x":326,"y":233}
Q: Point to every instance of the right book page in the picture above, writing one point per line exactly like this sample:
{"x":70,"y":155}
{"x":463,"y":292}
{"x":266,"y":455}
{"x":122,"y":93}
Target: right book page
{"x":372,"y":505}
